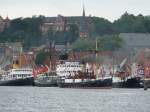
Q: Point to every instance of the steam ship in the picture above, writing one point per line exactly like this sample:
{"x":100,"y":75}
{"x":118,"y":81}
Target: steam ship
{"x":17,"y":77}
{"x":129,"y":77}
{"x":17,"y":74}
{"x":73,"y":75}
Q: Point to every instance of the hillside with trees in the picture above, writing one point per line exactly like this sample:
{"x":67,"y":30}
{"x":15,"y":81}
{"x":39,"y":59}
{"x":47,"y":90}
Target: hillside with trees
{"x":27,"y":31}
{"x":104,"y":43}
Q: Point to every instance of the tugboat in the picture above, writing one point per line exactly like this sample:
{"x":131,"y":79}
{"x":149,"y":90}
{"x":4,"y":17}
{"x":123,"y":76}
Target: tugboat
{"x":45,"y":77}
{"x":129,"y":77}
{"x":17,"y":76}
{"x":74,"y":75}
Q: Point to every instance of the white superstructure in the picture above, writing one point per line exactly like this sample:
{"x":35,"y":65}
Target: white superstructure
{"x":20,"y":73}
{"x":68,"y":69}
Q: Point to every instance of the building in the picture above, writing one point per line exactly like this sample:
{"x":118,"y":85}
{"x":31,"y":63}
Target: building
{"x":57,"y":24}
{"x":61,"y":23}
{"x":4,"y":23}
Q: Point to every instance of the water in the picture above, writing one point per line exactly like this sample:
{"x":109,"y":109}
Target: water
{"x":35,"y":99}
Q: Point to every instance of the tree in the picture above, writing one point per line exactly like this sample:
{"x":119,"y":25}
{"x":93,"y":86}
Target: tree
{"x":105,"y":43}
{"x":41,"y":57}
{"x":128,"y":23}
{"x":83,"y":45}
{"x":110,"y":43}
{"x":101,"y":26}
{"x":26,"y":30}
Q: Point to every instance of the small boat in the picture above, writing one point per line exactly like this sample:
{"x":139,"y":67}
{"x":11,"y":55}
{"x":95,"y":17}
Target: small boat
{"x":46,"y":79}
{"x":128,"y":82}
{"x":131,"y":77}
{"x":73,"y":75}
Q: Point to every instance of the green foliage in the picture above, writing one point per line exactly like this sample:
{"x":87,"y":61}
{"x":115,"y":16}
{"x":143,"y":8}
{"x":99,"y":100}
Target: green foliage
{"x":22,"y":30}
{"x":101,"y":26}
{"x":83,"y":45}
{"x":27,"y":31}
{"x":41,"y":57}
{"x":104,"y":43}
{"x":109,"y":43}
{"x":129,"y":23}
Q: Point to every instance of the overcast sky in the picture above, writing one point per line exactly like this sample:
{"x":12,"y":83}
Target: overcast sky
{"x":109,"y":9}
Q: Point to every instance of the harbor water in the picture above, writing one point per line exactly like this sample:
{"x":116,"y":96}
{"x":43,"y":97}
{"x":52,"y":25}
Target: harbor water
{"x":53,"y":99}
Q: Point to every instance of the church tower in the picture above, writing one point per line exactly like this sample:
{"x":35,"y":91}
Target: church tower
{"x":83,"y":29}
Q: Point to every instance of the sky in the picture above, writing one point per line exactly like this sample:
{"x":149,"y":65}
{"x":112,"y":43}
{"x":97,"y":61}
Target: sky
{"x":109,"y":9}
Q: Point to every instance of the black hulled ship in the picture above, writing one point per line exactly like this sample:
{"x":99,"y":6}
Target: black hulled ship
{"x":19,"y":73}
{"x":73,"y":75}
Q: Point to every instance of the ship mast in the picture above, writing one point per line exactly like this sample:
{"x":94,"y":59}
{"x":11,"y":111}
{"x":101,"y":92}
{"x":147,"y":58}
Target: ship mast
{"x":96,"y":51}
{"x":20,"y":57}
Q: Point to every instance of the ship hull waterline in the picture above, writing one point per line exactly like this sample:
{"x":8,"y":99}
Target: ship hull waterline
{"x":18,"y":82}
{"x":46,"y":83}
{"x":105,"y":83}
{"x":130,"y":83}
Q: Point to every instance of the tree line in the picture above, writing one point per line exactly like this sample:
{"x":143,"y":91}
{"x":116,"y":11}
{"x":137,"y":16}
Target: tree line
{"x":27,"y":31}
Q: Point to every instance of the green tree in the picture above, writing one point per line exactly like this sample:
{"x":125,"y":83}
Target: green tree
{"x":41,"y":57}
{"x":101,"y":26}
{"x":128,"y":23}
{"x":105,"y":43}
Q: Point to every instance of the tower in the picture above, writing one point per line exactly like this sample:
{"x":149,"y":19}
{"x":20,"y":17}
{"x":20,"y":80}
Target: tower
{"x":83,"y":29}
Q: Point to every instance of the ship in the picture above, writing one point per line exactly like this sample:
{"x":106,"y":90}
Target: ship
{"x":76,"y":75}
{"x":128,"y":76}
{"x":17,"y":77}
{"x":19,"y":72}
{"x":45,"y":78}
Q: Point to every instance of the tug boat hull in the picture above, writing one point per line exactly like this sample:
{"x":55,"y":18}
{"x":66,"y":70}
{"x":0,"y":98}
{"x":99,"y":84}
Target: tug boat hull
{"x":47,"y":82}
{"x":129,"y":83}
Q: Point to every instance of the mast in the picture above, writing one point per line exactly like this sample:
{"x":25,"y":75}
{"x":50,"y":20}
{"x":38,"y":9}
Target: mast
{"x":96,"y":51}
{"x":50,"y":50}
{"x":20,"y":57}
{"x":13,"y":62}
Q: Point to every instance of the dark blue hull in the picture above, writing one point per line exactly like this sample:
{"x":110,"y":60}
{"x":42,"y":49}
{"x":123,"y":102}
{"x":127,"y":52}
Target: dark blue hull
{"x":18,"y":82}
